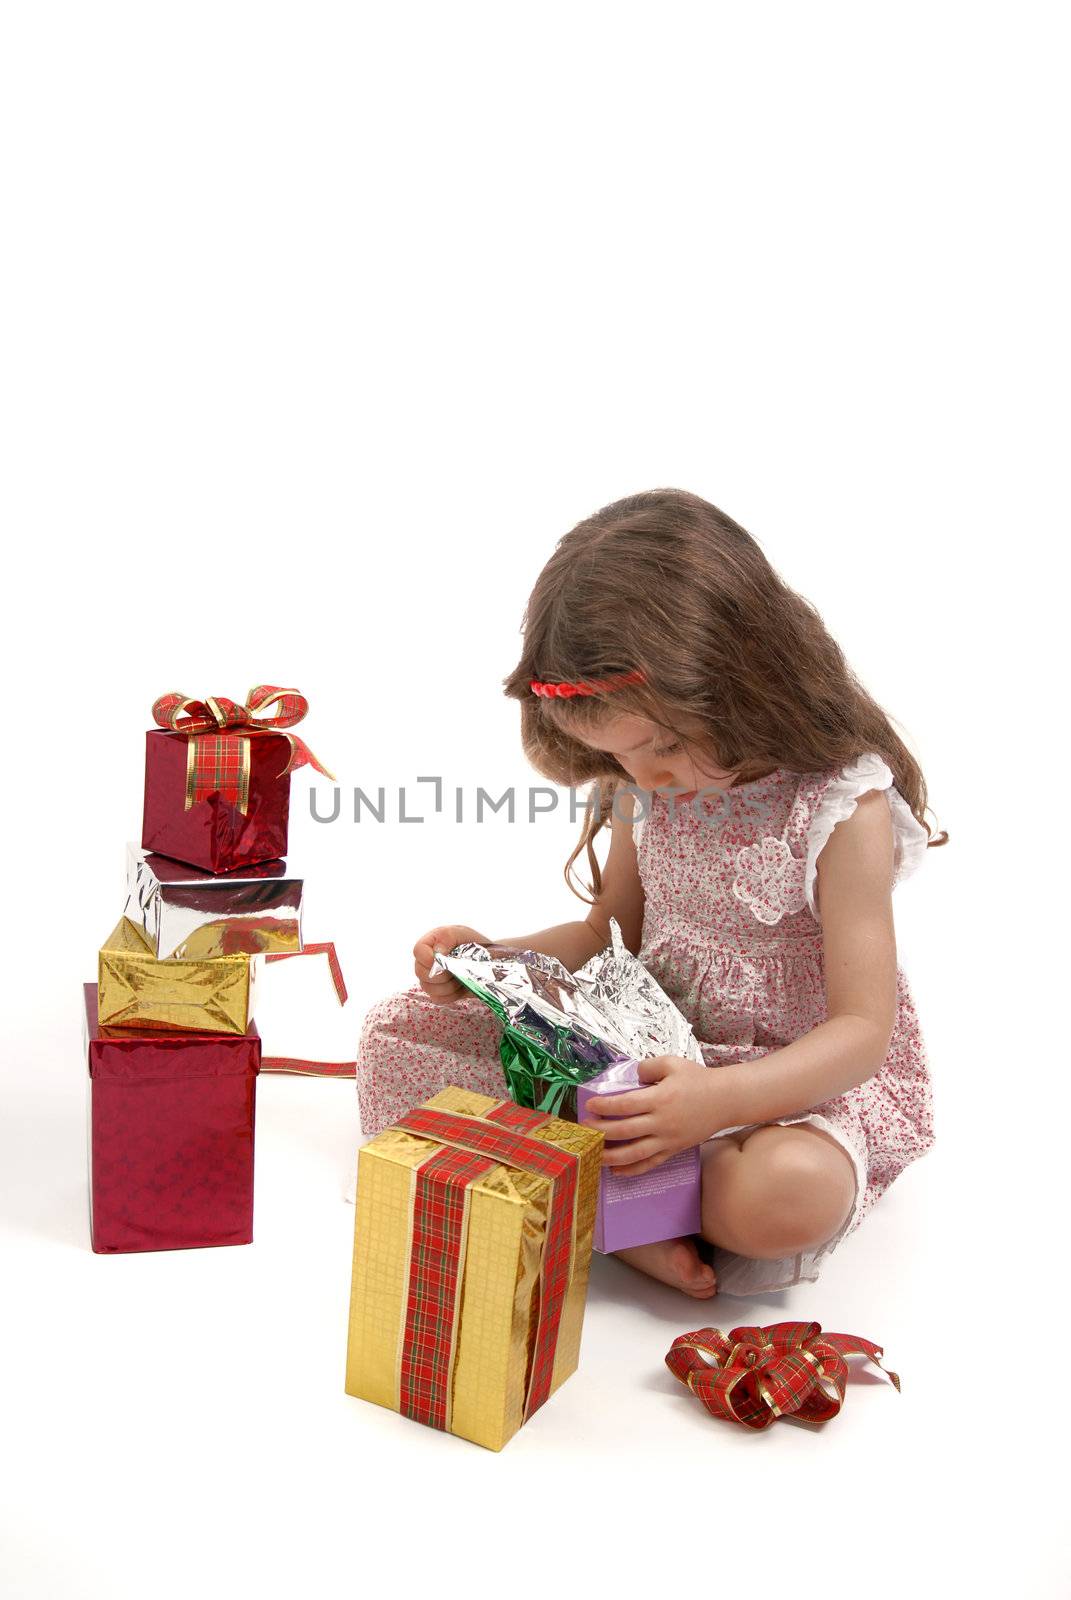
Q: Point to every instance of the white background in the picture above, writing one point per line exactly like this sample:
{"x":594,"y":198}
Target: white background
{"x":321,"y":324}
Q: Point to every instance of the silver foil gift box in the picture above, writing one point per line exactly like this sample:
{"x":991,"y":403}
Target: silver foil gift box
{"x":190,"y":915}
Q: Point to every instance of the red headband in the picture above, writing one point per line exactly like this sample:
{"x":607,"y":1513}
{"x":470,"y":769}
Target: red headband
{"x":586,"y":685}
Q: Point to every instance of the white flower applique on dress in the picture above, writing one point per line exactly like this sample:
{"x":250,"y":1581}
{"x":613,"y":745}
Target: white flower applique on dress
{"x":769,"y":879}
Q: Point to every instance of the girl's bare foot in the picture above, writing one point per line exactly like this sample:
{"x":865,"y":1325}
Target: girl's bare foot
{"x":676,"y":1262}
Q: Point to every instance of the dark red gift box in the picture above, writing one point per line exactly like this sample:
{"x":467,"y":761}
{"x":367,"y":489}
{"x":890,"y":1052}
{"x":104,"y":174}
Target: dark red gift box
{"x":213,"y":833}
{"x":171,"y":1123}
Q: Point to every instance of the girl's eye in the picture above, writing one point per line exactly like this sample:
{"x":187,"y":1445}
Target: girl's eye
{"x":669,"y":749}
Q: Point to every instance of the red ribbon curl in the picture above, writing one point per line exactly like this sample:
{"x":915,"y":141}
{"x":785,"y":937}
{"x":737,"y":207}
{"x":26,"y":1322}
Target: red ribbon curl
{"x":756,"y":1374}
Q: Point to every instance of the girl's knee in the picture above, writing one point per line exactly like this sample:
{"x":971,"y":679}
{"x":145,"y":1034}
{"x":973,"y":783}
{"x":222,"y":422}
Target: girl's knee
{"x":786,"y":1191}
{"x":408,"y":1014}
{"x":378,"y":1012}
{"x":382,"y":1017}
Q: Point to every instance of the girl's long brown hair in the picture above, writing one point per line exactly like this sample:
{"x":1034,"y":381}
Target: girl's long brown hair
{"x":666,"y":582}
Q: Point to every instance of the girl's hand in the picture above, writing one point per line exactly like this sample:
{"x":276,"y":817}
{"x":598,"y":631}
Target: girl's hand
{"x":683,"y":1105}
{"x":443,"y":986}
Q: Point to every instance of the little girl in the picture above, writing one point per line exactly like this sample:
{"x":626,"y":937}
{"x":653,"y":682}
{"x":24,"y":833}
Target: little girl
{"x":761,"y":809}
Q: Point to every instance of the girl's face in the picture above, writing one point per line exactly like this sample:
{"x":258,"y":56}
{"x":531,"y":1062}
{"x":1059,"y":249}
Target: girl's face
{"x":655,"y":758}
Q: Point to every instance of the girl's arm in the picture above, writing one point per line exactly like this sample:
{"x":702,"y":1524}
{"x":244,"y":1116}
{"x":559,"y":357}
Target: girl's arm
{"x":622,"y":897}
{"x":855,"y":872}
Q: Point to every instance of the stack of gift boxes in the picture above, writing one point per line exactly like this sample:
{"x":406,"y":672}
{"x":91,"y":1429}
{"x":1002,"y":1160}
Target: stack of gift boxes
{"x":172,"y":1048}
{"x":475,"y":1217}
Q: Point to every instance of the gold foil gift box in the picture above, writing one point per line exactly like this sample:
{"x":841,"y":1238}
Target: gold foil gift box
{"x":188,"y":913}
{"x":472,"y":1244}
{"x":137,"y":990}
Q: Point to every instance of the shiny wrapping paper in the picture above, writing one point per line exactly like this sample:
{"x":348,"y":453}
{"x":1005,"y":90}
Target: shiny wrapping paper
{"x":189,"y":914}
{"x":214,"y":834}
{"x":135,"y":990}
{"x":487,"y":1327}
{"x":560,"y":1028}
{"x":171,"y":1129}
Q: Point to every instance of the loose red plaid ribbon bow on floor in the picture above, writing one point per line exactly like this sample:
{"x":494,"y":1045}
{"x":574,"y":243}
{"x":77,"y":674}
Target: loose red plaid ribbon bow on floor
{"x":219,"y":732}
{"x":757,"y":1374}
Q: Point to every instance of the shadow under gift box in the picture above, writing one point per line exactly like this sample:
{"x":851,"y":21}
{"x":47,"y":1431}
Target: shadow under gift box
{"x":186,"y":913}
{"x":458,"y":1254}
{"x":171,"y":1128}
{"x":136,"y":990}
{"x":213,"y":833}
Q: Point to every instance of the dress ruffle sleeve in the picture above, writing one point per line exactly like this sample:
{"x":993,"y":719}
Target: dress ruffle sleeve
{"x":838,"y":800}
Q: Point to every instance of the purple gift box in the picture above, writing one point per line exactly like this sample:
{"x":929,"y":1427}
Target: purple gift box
{"x":660,"y":1204}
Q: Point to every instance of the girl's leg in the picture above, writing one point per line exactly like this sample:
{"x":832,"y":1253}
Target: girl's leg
{"x":767,"y":1194}
{"x":411,"y":1047}
{"x":776,"y":1190}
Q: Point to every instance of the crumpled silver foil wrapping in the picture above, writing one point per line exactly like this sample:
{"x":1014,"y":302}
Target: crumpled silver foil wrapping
{"x":610,"y":1009}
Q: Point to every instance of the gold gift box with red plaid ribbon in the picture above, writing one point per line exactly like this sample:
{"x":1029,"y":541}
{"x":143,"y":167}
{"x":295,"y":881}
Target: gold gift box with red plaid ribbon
{"x":472,"y":1245}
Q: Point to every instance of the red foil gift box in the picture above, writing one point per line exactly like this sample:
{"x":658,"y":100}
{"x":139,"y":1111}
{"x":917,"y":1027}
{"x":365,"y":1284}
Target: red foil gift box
{"x":171,"y":1126}
{"x":214,"y":833}
{"x":217,"y":777}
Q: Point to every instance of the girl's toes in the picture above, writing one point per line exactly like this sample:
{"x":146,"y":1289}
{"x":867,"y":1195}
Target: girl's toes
{"x":695,"y":1277}
{"x":676,"y":1262}
{"x":702,"y":1285}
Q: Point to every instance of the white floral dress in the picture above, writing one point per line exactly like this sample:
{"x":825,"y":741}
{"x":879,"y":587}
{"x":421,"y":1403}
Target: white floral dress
{"x":732,"y":931}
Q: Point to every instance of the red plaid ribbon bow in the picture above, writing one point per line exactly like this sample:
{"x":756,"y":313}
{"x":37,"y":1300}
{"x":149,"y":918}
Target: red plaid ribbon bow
{"x":757,"y":1374}
{"x":219,"y":730}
